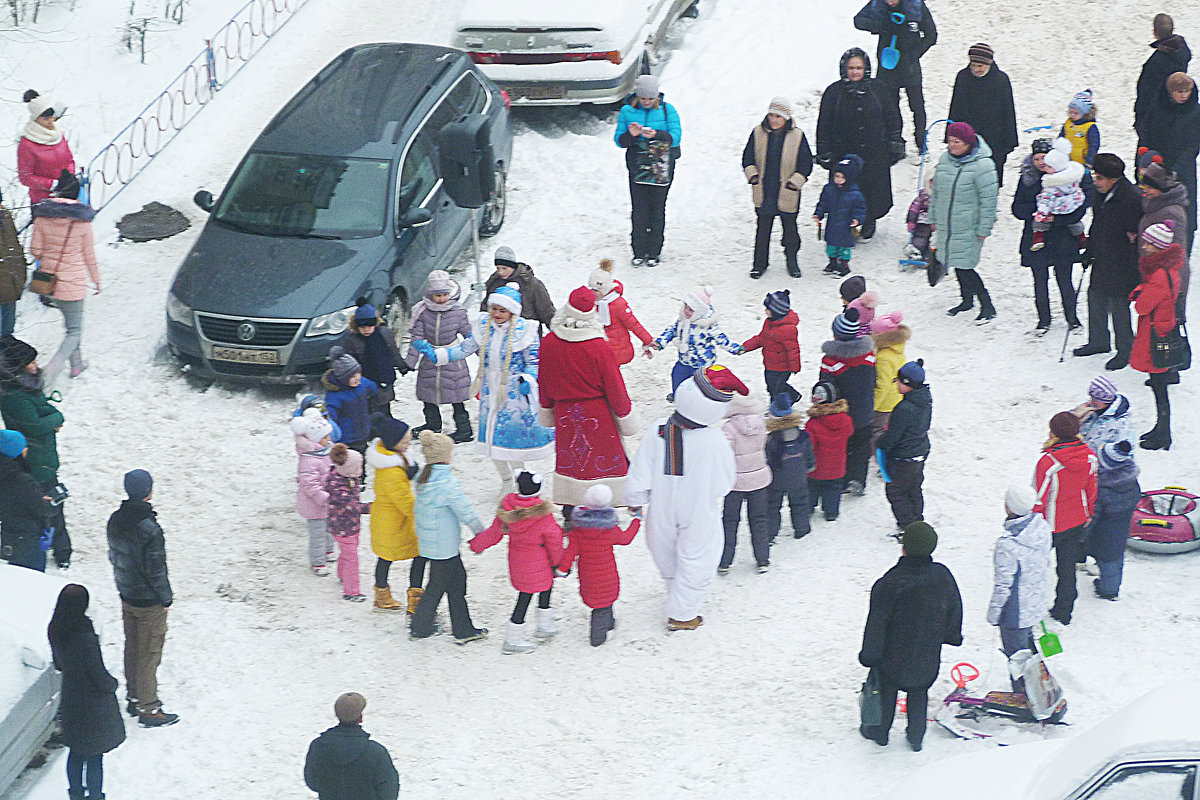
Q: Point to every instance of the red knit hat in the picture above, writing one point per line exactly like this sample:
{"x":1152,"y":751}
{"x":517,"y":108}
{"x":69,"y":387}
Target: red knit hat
{"x":963,"y":132}
{"x":582,"y":299}
{"x":722,"y":379}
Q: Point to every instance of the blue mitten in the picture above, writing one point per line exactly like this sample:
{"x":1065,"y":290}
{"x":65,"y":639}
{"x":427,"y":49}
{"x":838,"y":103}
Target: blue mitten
{"x":424,"y":348}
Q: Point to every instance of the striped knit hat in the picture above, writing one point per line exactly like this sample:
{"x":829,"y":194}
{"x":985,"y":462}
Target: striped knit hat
{"x":1160,"y":235}
{"x":1082,"y":102}
{"x":1102,"y":389}
{"x":1115,"y":453}
{"x":845,"y":325}
{"x":778,"y":303}
{"x":980,"y":53}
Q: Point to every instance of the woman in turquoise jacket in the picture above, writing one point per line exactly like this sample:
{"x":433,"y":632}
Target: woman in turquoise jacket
{"x":648,"y":129}
{"x":963,"y":211}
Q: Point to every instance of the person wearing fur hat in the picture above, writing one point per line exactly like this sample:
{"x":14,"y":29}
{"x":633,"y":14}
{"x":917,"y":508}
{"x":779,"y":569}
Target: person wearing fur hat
{"x":1117,"y":495}
{"x":1065,"y":482}
{"x":789,"y":452}
{"x":442,"y":509}
{"x":649,"y":132}
{"x":343,"y":485}
{"x":983,"y":98}
{"x":373,"y":345}
{"x":779,"y":340}
{"x":594,"y":533}
{"x":777,"y":162}
{"x":393,"y":530}
{"x":1155,"y":301}
{"x":614,"y":313}
{"x":348,"y":398}
{"x":683,"y":468}
{"x":905,"y":444}
{"x":1021,"y":569}
{"x":915,"y":609}
{"x":890,"y":337}
{"x":697,"y":335}
{"x":42,"y":152}
{"x":534,"y":549}
{"x":1105,"y":417}
{"x":830,"y":427}
{"x":1165,"y":201}
{"x":1171,"y":54}
{"x":509,"y":348}
{"x":24,"y":508}
{"x":312,"y":437}
{"x":846,"y":208}
{"x":536,"y":303}
{"x":1081,"y":129}
{"x":962,"y":210}
{"x":746,"y":429}
{"x":439,"y":319}
{"x":849,"y":364}
{"x":1061,"y":194}
{"x":583,"y":398}
{"x":1173,"y":129}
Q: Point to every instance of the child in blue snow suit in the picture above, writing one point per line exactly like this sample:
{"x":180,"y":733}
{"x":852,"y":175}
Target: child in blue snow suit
{"x":790,"y":457}
{"x":1118,"y":493}
{"x":697,"y":335}
{"x":846,"y":208}
{"x":347,"y":398}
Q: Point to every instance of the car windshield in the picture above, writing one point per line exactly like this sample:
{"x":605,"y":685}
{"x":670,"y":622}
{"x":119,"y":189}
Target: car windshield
{"x":322,"y":197}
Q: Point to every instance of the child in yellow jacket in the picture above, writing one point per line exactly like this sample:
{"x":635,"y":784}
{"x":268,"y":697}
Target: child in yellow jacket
{"x":393,"y":530}
{"x":890,"y":336}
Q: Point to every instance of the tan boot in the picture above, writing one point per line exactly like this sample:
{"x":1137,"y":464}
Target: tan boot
{"x":384,"y":600}
{"x":685,"y":625}
{"x":414,"y":597}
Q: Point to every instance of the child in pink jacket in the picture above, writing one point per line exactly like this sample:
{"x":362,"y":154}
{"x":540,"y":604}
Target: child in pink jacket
{"x":344,"y":485}
{"x":594,"y":533}
{"x":746,"y":429}
{"x":534,"y":547}
{"x":312,"y":432}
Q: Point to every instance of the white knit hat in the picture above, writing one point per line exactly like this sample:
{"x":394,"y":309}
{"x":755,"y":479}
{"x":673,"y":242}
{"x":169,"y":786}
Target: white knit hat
{"x":601,"y":279}
{"x":1059,"y":158}
{"x":311,"y":425}
{"x":699,"y":300}
{"x":598,"y":496}
{"x":38,"y":106}
{"x":1020,"y":499}
{"x":781,"y":106}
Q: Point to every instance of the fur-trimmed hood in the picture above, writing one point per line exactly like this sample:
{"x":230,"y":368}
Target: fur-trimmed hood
{"x":792,"y":420}
{"x":825,"y":409}
{"x":854,"y":348}
{"x":62,"y":208}
{"x":1072,"y":174}
{"x":514,"y":508}
{"x":896,"y":337}
{"x":379,"y":457}
{"x":595,"y":518}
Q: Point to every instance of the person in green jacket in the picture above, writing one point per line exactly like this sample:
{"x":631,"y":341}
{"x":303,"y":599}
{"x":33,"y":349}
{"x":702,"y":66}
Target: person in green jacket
{"x":24,"y":408}
{"x":963,"y":211}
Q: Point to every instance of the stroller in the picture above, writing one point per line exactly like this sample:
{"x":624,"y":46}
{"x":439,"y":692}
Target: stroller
{"x":917,"y":253}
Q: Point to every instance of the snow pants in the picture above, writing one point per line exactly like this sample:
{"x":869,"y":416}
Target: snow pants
{"x":347,"y":564}
{"x":687,"y":557}
{"x":904,"y":492}
{"x":648,"y":218}
{"x":756,"y":512}
{"x":858,"y":454}
{"x":777,"y":384}
{"x":1067,"y":549}
{"x":828,"y":492}
{"x":917,"y":704}
{"x":798,"y":504}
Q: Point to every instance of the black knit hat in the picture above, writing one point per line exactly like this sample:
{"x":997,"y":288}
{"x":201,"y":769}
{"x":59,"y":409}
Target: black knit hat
{"x":389,"y":430}
{"x":852,"y":288}
{"x":1044,"y":145}
{"x":529,"y":484}
{"x":1108,"y":165}
{"x":16,"y":354}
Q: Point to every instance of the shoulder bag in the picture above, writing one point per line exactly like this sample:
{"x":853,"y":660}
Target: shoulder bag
{"x":44,"y":282}
{"x":1170,"y":351}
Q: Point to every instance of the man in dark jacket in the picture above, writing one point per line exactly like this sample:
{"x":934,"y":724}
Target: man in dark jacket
{"x":915,"y":609}
{"x":905,"y":444}
{"x":1113,"y":252}
{"x":1171,"y":54}
{"x":138,"y":552}
{"x":24,"y":510}
{"x":907,"y":26}
{"x":344,"y":764}
{"x":535,"y":298}
{"x":983,"y":98}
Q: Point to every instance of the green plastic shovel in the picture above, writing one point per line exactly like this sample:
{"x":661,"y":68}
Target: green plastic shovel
{"x":1048,"y":642}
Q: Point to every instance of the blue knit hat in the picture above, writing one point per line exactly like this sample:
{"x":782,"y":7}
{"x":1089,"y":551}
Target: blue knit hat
{"x":912,"y":374}
{"x":845,"y":325}
{"x":507,"y":296}
{"x":1082,"y":102}
{"x":778,"y":303}
{"x":389,"y":429}
{"x":365,"y":313}
{"x":138,"y":484}
{"x":12,"y":443}
{"x":781,"y":405}
{"x":1115,"y":453}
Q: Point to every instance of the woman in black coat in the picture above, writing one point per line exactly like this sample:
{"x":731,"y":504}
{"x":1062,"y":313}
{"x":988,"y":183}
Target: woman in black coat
{"x":1173,"y":130}
{"x":1061,"y":250}
{"x":857,"y":117}
{"x":91,"y":718}
{"x":983,"y":98}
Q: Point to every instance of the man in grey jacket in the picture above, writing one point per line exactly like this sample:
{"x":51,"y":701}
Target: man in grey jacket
{"x":138,"y":552}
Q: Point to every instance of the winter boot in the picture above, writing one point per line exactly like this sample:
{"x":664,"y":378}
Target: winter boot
{"x":831,"y":267}
{"x":546,"y":628}
{"x":516,"y":639}
{"x":157,"y":718}
{"x":602,"y":623}
{"x":1159,"y":437}
{"x":384,"y":600}
{"x":966,"y":305}
{"x":131,"y":706}
{"x":433,"y":421}
{"x":479,"y":633}
{"x":1039,"y":241}
{"x":793,"y":264}
{"x":684,"y":625}
{"x":414,"y":597}
{"x":1119,"y":361}
{"x":843,"y":268}
{"x":987,"y":311}
{"x":462,"y":425}
{"x":867,"y":230}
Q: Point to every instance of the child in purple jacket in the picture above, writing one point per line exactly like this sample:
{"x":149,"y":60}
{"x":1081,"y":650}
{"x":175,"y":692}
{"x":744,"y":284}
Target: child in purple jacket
{"x":344,"y":485}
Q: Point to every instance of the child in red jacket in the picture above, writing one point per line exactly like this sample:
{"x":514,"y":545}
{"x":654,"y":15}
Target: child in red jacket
{"x":829,"y":426}
{"x":780,"y":343}
{"x":615,"y":315}
{"x":534,"y":547}
{"x":594,"y":532}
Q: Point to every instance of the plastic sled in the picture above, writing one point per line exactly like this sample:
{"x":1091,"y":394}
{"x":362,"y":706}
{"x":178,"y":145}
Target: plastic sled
{"x":1166,"y":521}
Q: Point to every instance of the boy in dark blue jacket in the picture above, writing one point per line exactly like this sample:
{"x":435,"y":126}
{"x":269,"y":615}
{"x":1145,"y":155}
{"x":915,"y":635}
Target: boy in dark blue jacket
{"x":904,"y":446}
{"x":347,"y":398}
{"x":844,"y":205}
{"x":790,"y":457}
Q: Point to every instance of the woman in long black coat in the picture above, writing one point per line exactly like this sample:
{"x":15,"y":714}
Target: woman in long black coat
{"x":91,"y":719}
{"x":1173,"y":129}
{"x":983,"y":98}
{"x":857,"y":117}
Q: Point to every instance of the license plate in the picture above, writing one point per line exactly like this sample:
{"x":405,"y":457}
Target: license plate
{"x":244,"y":356}
{"x":541,"y":92}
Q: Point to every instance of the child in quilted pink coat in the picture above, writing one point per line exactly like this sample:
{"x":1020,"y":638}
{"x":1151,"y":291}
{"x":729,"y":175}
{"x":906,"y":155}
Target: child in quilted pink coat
{"x":534,"y":548}
{"x":312,"y":432}
{"x":344,"y":484}
{"x":746,"y":429}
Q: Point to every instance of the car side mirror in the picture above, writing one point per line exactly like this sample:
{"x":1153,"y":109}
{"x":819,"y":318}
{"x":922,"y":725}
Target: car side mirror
{"x":203,"y":199}
{"x":416,"y":218}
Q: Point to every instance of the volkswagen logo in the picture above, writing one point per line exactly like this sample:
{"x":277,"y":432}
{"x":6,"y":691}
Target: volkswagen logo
{"x":246,"y":331}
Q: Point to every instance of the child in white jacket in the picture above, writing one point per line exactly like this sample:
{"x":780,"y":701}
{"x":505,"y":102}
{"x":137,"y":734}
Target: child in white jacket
{"x":697,"y":335}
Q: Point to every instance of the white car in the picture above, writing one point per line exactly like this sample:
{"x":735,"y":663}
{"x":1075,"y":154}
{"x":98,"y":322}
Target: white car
{"x":1148,"y":750}
{"x":566,"y":52}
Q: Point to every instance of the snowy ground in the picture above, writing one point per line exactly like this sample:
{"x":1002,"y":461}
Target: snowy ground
{"x":762,"y":699}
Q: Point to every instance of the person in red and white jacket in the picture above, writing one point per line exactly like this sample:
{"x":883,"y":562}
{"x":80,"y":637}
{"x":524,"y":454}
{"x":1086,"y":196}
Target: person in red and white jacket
{"x":780,"y":343}
{"x":614,"y":313}
{"x":1065,"y":482}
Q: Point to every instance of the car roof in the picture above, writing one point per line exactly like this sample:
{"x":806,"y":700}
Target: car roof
{"x":359,"y":104}
{"x":615,"y":15}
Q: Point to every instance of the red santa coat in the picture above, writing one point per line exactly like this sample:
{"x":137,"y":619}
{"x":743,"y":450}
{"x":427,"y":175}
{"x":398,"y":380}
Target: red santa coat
{"x":1155,"y":297}
{"x":829,"y":426}
{"x":583,"y":395}
{"x":1065,"y":480}
{"x":780,"y":343}
{"x":620,"y":324}
{"x":599,"y":581}
{"x":534,"y":541}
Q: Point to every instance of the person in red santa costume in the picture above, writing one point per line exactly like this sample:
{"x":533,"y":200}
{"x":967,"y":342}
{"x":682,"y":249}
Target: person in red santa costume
{"x":583,"y":396}
{"x":683,"y":469}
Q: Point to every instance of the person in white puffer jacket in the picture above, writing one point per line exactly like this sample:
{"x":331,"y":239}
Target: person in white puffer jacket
{"x":746,"y":429}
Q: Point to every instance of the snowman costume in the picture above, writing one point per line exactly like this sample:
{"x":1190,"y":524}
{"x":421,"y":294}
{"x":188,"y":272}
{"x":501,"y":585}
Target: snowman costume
{"x":682,"y":471}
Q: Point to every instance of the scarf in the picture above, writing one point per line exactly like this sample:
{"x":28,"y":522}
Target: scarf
{"x":426,"y":303}
{"x":672,"y":434}
{"x":602,"y":312}
{"x":39,"y":135}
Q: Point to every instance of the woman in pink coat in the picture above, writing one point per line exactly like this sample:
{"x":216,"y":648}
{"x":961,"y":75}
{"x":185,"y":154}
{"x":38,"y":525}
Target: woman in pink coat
{"x":42,"y":152}
{"x":594,"y":533}
{"x":62,"y":241}
{"x":746,"y":429}
{"x":614,"y":313}
{"x":534,"y":547}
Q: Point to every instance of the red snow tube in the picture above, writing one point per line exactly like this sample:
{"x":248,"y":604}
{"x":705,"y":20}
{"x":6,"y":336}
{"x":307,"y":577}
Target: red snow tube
{"x":1166,"y":521}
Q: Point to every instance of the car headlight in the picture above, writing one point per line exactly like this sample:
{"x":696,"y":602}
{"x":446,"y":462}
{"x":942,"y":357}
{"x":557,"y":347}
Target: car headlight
{"x":331,"y":324}
{"x":177,"y":311}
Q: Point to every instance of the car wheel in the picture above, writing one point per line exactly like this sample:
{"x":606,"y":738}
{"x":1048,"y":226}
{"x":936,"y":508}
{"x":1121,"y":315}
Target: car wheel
{"x":398,"y":317}
{"x":492,"y":218}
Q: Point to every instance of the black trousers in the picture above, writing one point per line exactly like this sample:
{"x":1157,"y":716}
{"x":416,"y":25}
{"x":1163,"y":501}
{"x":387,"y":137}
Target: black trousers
{"x":904,"y":491}
{"x":1100,"y":308}
{"x":1041,"y":293}
{"x":911,"y":84}
{"x":917,"y":703}
{"x":648,"y":217}
{"x":777,"y":384}
{"x":1068,"y":549}
{"x":522,"y":606}
{"x":999,"y":159}
{"x":762,"y":236}
{"x":756,"y":512}
{"x":970,"y":285}
{"x":858,"y":453}
{"x":446,"y":577}
{"x":61,"y":543}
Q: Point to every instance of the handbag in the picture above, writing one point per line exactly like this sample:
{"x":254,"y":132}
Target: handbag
{"x":43,"y":281}
{"x":870,"y":703}
{"x":1170,"y":351}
